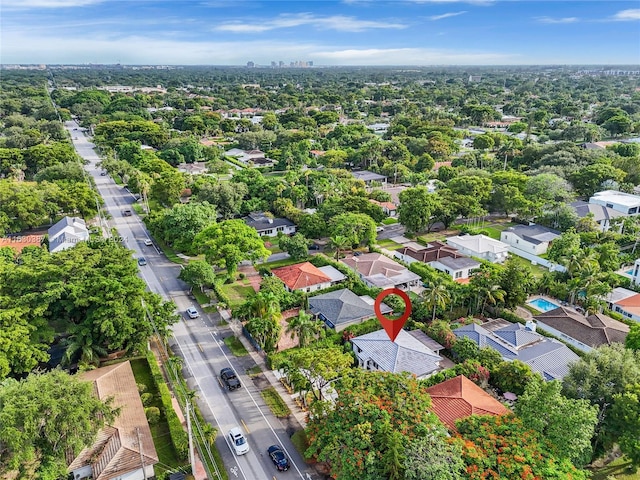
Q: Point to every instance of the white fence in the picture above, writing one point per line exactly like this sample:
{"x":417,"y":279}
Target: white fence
{"x":536,"y":260}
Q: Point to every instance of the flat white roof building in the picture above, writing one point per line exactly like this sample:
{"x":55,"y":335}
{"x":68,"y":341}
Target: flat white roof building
{"x":626,"y":203}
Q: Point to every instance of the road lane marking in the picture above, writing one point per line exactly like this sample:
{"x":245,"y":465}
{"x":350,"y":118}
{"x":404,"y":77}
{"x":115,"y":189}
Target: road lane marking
{"x":200,"y":347}
{"x":245,"y":426}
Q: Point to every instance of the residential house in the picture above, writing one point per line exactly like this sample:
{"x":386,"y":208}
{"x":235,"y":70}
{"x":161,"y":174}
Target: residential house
{"x":480,"y":246}
{"x":635,"y":272}
{"x":379,"y":271}
{"x":459,"y":398}
{"x":123,"y":449}
{"x":625,"y":302}
{"x":625,"y":203}
{"x":584,"y":333}
{"x":459,"y":269}
{"x":306,"y":277}
{"x":549,"y":357}
{"x":268,"y":226}
{"x":602,"y":214}
{"x":390,"y":209}
{"x":407,"y":353}
{"x":195,"y":168}
{"x":368,"y":177}
{"x":533,"y":239}
{"x":341,"y":308}
{"x":415,"y":252}
{"x":67,"y":233}
{"x":253,"y":157}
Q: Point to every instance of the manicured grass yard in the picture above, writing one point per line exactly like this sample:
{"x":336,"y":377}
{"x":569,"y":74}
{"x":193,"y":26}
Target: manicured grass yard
{"x":389,"y":221}
{"x":388,"y":243}
{"x":159,"y":431}
{"x":536,"y":270}
{"x":279,"y":263}
{"x":236,"y":346}
{"x":237,"y":293}
{"x":273,"y":399}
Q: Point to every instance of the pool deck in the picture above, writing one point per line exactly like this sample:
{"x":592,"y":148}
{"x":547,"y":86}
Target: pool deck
{"x":555,"y":301}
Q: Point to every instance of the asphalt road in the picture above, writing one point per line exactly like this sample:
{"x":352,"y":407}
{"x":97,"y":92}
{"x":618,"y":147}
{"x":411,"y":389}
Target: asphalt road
{"x":199,"y":343}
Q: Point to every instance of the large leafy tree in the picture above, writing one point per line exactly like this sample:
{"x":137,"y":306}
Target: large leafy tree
{"x":44,"y":417}
{"x":625,"y":421}
{"x":504,"y":447}
{"x":179,"y":225}
{"x":229,"y":242}
{"x":516,"y":281}
{"x":381,"y":412}
{"x":197,"y":274}
{"x":296,"y":246}
{"x":417,"y":207}
{"x":359,"y":228}
{"x":568,"y":424}
{"x":433,"y":457}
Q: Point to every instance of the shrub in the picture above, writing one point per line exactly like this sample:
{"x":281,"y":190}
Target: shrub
{"x":241,"y":276}
{"x":153,"y":415}
{"x":142,"y":388}
{"x":146,"y":398}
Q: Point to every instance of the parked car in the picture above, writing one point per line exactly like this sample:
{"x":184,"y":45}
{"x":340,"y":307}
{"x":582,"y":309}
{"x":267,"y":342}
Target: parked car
{"x":230,"y":379}
{"x":380,"y":229}
{"x":148,"y":242}
{"x":238,"y":441}
{"x":192,"y":312}
{"x":278,"y":457}
{"x":142,"y":261}
{"x":103,"y":174}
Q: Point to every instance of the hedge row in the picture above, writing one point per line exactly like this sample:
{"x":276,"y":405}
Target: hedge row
{"x":178,"y":435}
{"x":219,"y":293}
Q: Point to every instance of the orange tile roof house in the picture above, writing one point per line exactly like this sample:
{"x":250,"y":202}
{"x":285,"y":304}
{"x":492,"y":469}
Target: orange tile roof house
{"x":123,"y":449}
{"x":459,"y":398}
{"x":307,"y":277}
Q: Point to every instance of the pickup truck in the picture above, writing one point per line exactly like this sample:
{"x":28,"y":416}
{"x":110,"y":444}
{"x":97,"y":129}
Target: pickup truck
{"x":229,"y":379}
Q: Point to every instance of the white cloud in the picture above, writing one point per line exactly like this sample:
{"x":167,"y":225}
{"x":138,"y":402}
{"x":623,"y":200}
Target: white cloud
{"x":412,"y":56}
{"x":627,"y":15}
{"x":446,"y":15}
{"x":557,"y":20}
{"x":336,"y":22}
{"x":26,"y":4}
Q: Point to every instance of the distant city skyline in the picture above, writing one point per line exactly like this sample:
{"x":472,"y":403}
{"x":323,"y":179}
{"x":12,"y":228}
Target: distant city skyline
{"x":320,"y":33}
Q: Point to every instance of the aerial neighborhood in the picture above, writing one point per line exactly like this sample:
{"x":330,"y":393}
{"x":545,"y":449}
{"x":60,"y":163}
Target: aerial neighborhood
{"x":193,"y":262}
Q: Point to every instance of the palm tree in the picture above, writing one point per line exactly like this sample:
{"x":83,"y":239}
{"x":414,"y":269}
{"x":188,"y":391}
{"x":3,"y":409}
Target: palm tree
{"x":436,"y":295}
{"x":305,"y":327}
{"x":82,"y":348}
{"x":339,"y":242}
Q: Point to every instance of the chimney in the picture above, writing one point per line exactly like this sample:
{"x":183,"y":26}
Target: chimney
{"x":530,"y":325}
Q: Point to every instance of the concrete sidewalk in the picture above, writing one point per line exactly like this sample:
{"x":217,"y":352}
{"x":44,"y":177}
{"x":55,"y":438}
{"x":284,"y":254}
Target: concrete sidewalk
{"x":259,"y":359}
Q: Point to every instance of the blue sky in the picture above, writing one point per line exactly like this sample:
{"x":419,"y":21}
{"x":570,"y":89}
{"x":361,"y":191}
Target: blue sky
{"x":329,"y":32}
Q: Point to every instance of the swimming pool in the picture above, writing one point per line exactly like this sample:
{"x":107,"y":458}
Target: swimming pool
{"x":629,"y":272}
{"x":542,"y":304}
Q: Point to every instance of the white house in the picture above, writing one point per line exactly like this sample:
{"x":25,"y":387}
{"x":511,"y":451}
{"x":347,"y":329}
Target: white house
{"x":602,"y":214}
{"x":480,"y":246}
{"x":626,"y":203}
{"x":534,"y":239}
{"x":379,"y":271}
{"x":635,"y":275}
{"x":411,"y":352}
{"x":459,"y":268}
{"x":625,"y":302}
{"x":267,"y":226}
{"x":67,"y":233}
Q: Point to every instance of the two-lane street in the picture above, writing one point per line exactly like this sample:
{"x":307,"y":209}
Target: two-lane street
{"x":199,"y":343}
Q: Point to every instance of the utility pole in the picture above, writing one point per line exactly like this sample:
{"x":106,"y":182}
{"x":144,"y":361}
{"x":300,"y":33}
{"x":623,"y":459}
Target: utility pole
{"x":144,"y":471}
{"x":190,"y":433}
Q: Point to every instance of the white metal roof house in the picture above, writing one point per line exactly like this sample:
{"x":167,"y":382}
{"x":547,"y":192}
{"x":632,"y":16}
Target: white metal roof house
{"x":534,"y":239}
{"x":602,"y":214}
{"x":459,"y":268}
{"x":67,"y":233}
{"x":408,"y":353}
{"x":480,"y":246}
{"x":626,"y":203}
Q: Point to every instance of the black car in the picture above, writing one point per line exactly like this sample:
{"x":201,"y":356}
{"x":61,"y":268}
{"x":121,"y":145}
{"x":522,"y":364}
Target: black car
{"x":230,"y":379}
{"x":278,"y":457}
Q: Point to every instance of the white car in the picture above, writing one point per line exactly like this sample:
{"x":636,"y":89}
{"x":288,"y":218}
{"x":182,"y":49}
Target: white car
{"x":379,"y":229}
{"x":238,"y":441}
{"x":148,"y":242}
{"x":192,"y":312}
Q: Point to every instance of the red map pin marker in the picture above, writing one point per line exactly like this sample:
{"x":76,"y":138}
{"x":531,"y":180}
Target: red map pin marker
{"x":392,"y":326}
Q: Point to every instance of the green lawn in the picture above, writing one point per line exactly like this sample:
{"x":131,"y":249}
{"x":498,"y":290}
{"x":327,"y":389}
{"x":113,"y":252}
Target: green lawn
{"x":536,"y":270}
{"x":159,"y":431}
{"x":237,"y":293}
{"x":169,"y":253}
{"x":201,"y":297}
{"x":388,"y":243}
{"x":389,"y":221}
{"x":236,"y":346}
{"x":279,"y":263}
{"x":300,"y":441}
{"x":617,"y":469}
{"x":273,"y":399}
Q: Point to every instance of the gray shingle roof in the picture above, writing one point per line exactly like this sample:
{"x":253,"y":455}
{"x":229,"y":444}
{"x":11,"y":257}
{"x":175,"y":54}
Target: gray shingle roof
{"x":459,"y":263}
{"x":546,"y":356}
{"x":261,"y":222}
{"x":368,"y":176}
{"x":342,"y":308}
{"x":406,"y":354}
{"x":600,"y":212}
{"x":534,"y":234}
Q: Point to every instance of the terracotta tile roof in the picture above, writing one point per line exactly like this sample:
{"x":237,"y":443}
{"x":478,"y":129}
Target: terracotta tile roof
{"x":116,"y":451}
{"x":460,"y":398}
{"x":633,"y":301}
{"x":300,"y":275}
{"x":18,"y":242}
